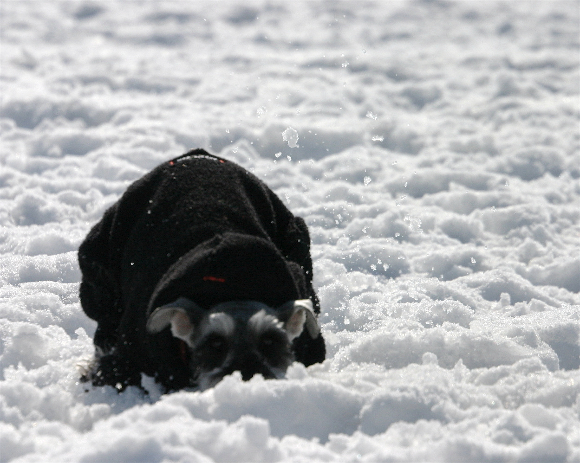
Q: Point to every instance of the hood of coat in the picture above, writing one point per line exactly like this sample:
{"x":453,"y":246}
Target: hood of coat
{"x":230,"y":267}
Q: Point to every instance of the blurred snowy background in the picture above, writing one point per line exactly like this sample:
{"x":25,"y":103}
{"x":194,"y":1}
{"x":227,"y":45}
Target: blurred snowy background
{"x":431,"y":146}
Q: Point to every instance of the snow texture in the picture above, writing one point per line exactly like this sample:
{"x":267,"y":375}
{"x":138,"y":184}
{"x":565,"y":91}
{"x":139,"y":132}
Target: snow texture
{"x":433,"y":148}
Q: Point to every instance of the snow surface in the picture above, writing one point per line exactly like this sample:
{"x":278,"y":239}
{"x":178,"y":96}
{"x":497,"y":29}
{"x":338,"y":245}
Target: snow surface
{"x":431,"y":146}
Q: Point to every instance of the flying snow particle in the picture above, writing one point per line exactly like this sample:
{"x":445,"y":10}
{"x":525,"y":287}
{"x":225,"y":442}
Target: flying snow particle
{"x":290,"y":135}
{"x":367,"y":180}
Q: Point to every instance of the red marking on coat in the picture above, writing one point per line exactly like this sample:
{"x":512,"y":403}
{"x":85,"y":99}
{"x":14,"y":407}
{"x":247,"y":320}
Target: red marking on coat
{"x":216,"y":279}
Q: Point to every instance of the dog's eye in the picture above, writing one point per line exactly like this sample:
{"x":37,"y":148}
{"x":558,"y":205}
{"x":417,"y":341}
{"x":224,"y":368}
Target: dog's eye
{"x":212,"y":344}
{"x":274,"y":346}
{"x":215,"y":342}
{"x":211,"y":352}
{"x":270,"y":340}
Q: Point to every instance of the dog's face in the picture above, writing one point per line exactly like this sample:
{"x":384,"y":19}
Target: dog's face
{"x":245,"y":336}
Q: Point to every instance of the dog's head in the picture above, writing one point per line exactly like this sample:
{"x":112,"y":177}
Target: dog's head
{"x":245,"y":336}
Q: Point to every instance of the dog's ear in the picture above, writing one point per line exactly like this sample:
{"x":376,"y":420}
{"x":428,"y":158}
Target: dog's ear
{"x":296,"y":315}
{"x":181,"y":315}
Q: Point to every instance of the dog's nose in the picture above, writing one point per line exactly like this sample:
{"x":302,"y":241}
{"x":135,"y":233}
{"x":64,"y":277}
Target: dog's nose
{"x":249,"y":365}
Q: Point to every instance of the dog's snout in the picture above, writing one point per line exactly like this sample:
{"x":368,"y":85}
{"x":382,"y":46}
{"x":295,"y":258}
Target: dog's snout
{"x":249,"y":365}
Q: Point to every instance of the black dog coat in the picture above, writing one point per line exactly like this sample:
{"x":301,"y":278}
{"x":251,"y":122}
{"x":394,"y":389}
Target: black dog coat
{"x":199,"y":227}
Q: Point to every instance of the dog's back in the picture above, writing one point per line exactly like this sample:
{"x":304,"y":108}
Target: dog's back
{"x":196,"y":226}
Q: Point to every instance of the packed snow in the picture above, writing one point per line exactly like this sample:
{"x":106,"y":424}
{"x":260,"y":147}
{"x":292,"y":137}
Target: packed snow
{"x":433,"y":148}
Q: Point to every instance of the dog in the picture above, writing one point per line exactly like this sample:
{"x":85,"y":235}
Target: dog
{"x":197,"y":271}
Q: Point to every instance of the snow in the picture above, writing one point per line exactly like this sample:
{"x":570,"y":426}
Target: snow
{"x":431,"y":146}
